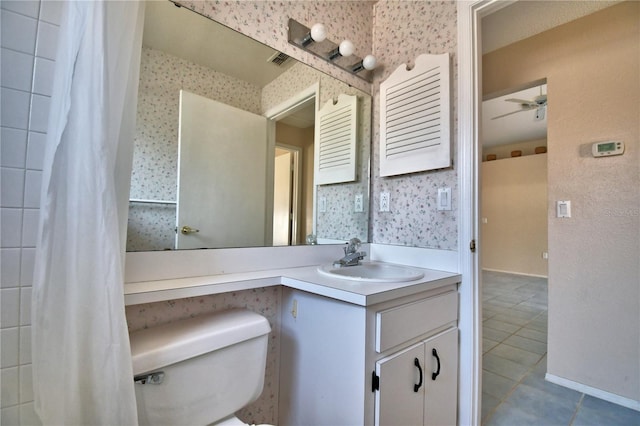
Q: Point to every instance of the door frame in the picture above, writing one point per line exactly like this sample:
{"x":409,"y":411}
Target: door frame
{"x":470,"y":14}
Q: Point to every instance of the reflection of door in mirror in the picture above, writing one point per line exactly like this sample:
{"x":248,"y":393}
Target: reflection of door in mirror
{"x":222,"y":175}
{"x":286,"y":184}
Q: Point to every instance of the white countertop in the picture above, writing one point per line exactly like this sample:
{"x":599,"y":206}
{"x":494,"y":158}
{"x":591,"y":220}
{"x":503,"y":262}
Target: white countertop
{"x":305,"y":278}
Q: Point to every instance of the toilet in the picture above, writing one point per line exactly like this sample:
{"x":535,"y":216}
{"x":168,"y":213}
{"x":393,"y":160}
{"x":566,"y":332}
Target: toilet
{"x":199,"y":371}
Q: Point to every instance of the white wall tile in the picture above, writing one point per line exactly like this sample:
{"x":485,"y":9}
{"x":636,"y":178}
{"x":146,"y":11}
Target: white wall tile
{"x":51,"y":11}
{"x":26,"y":385}
{"x":47,"y":42}
{"x":35,"y":150}
{"x":10,"y":345}
{"x":39,"y":113}
{"x":32,"y":185}
{"x":43,"y":76}
{"x":30,"y":219}
{"x":10,"y":227}
{"x":17,"y":70}
{"x":12,"y":187}
{"x":10,"y":386}
{"x":13,"y":149}
{"x":27,"y":258}
{"x":9,"y":267}
{"x":25,"y":309}
{"x":10,"y":307}
{"x":18,"y":32}
{"x":28,"y":416}
{"x":15,"y":108}
{"x":11,"y":415}
{"x":24,"y":7}
{"x":25,"y":345}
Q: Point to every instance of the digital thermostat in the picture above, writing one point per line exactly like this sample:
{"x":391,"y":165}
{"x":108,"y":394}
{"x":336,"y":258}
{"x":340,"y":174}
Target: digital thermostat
{"x":605,"y":149}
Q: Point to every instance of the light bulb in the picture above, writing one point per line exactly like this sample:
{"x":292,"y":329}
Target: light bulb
{"x":318,"y":32}
{"x":369,"y":62}
{"x":346,"y":48}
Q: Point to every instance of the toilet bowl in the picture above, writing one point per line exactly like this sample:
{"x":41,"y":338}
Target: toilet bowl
{"x":201,"y":370}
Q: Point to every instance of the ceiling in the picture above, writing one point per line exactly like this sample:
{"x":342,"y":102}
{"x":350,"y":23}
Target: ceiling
{"x":208,"y":43}
{"x":518,"y":127}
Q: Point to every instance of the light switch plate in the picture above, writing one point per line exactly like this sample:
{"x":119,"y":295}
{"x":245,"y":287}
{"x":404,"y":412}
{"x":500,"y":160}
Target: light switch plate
{"x":444,"y":198}
{"x":563,"y":208}
{"x":322,"y":205}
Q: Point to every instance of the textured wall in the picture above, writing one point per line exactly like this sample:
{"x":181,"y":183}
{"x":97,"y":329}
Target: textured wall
{"x":402,"y":31}
{"x":592,"y":67}
{"x":514,"y":202}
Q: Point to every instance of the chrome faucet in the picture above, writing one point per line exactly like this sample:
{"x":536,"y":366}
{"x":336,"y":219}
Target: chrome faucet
{"x":352,"y":256}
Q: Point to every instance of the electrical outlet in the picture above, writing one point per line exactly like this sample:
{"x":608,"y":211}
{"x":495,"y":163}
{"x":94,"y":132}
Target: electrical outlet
{"x":385,"y":201}
{"x":359,"y":203}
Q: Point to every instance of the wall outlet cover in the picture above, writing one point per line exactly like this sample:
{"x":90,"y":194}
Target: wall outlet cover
{"x":385,"y":201}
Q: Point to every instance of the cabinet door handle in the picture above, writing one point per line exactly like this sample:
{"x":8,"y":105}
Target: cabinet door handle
{"x":416,"y":362}
{"x":435,"y":354}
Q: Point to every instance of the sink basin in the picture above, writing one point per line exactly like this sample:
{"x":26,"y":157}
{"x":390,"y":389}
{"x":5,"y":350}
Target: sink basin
{"x":372,"y":272}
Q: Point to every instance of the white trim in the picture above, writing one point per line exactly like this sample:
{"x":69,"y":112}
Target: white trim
{"x":597,"y":393}
{"x":469,"y":97}
{"x":515,"y":273}
{"x":287,"y":107}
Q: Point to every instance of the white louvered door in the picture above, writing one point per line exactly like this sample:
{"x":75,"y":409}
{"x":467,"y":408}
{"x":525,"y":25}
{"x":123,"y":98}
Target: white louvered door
{"x":336,"y":135}
{"x":415,"y":117}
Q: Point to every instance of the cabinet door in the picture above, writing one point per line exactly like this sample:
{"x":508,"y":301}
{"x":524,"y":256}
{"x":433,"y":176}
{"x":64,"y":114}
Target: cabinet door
{"x":441,"y":391}
{"x":397,"y":403}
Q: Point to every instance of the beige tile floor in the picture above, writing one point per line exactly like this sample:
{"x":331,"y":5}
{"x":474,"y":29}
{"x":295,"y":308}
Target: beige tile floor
{"x":514,"y":391}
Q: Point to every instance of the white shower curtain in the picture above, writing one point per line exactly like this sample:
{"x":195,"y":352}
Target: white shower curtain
{"x":82,"y":370}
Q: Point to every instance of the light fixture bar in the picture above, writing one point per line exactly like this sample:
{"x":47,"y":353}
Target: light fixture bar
{"x":299,"y":36}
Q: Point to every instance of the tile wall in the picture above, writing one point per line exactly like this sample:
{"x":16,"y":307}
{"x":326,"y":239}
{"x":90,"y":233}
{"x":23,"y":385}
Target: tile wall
{"x":29,"y":39}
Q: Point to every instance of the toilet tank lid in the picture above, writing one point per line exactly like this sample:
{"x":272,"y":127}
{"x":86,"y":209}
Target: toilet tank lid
{"x":157,"y":347}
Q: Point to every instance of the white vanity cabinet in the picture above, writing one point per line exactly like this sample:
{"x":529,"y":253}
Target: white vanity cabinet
{"x":347,"y":364}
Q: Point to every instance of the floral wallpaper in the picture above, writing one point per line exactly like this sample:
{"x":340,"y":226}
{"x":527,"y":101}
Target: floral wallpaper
{"x":265,"y":301}
{"x":402,"y":31}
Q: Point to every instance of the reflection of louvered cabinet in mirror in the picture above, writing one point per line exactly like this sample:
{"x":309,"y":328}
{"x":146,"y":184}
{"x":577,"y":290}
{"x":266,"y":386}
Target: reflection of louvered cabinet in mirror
{"x":415,"y":117}
{"x":336,"y":136}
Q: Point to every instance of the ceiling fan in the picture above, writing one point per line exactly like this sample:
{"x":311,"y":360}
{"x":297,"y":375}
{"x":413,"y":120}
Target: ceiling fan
{"x":539,"y":103}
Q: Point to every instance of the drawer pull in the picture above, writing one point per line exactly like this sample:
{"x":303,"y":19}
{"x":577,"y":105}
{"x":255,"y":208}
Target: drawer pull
{"x":417,"y":364}
{"x":435,"y":354}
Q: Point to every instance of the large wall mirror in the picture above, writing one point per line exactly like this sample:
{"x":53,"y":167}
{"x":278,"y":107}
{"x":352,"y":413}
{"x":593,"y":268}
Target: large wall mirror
{"x":213,"y":166}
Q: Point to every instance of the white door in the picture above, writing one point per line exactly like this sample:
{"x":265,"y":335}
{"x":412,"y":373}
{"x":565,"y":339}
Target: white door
{"x":441,"y":378}
{"x":400,"y":398}
{"x":282,"y":191}
{"x":222,"y":176}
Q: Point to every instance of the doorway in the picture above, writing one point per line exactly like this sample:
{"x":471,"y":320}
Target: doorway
{"x":286,"y":194}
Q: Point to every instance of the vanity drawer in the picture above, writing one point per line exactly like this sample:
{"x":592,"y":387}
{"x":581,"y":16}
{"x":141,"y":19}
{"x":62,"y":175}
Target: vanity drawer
{"x":400,"y":324}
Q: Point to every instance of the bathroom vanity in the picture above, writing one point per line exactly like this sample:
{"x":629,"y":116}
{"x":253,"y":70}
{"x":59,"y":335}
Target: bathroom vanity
{"x":351,"y":352}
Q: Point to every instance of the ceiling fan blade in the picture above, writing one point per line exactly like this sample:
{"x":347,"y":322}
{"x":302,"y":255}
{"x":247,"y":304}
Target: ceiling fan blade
{"x":522,"y":102}
{"x":511,"y":113}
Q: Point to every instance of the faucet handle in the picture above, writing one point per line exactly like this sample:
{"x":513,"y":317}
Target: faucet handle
{"x":353,"y":245}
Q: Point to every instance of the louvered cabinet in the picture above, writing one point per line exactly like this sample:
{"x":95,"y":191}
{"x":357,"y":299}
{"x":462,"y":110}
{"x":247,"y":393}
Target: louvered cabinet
{"x":346,"y":364}
{"x":415,"y":117}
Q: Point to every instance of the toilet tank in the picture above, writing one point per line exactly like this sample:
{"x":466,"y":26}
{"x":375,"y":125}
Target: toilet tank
{"x":208,"y":367}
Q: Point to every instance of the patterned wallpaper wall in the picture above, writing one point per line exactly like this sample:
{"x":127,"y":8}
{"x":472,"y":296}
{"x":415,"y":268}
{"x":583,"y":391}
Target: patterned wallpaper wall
{"x":402,"y":31}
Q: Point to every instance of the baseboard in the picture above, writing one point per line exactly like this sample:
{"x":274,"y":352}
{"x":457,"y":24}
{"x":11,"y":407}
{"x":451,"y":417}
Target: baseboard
{"x":514,"y":273}
{"x":598,"y":393}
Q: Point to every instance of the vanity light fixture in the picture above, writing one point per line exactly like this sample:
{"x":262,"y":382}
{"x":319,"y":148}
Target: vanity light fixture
{"x":313,"y":40}
{"x":317,"y":33}
{"x":368,"y":63}
{"x":346,"y":48}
